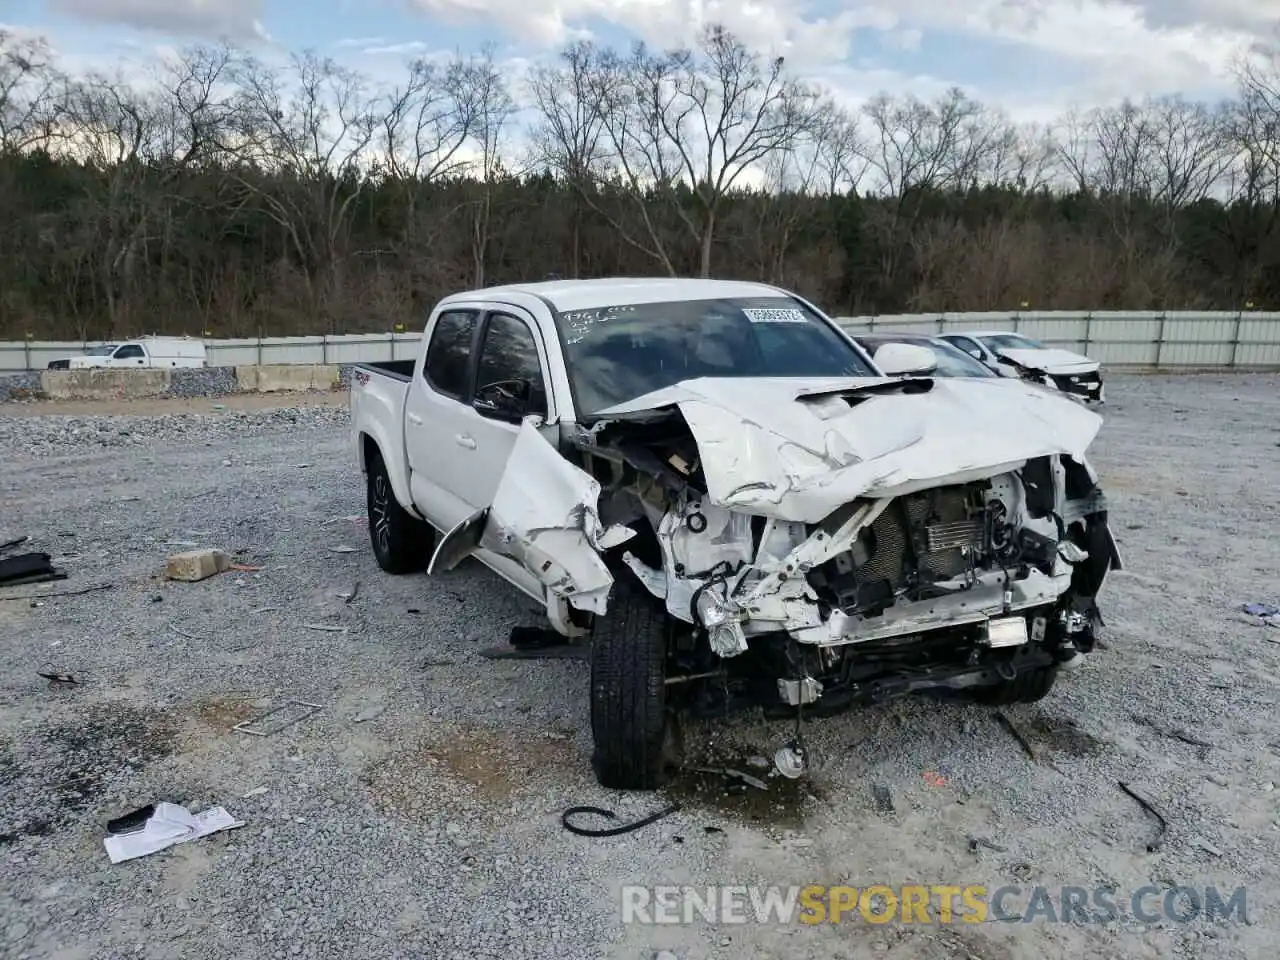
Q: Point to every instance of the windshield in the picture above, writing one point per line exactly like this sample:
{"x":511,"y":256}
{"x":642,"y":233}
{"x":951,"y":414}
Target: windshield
{"x":103,"y":351}
{"x":952,"y":361}
{"x":620,"y":352}
{"x":1012,"y":341}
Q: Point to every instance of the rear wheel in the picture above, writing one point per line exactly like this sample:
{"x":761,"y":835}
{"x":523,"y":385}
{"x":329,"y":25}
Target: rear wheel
{"x":1027,"y":687}
{"x":401,"y":542}
{"x":629,"y":717}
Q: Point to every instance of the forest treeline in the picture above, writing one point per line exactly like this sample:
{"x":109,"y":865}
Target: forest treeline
{"x":220,"y":193}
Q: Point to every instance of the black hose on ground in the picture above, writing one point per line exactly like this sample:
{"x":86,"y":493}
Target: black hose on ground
{"x":610,"y":815}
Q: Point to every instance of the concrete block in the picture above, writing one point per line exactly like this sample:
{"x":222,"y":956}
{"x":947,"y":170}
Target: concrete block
{"x":281,"y":377}
{"x":196,"y":565}
{"x":104,"y":384}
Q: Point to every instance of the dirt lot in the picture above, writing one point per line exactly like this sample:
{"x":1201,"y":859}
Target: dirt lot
{"x":417,"y":814}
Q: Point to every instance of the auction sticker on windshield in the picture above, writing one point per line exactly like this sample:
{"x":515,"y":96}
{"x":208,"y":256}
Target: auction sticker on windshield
{"x":774,"y":315}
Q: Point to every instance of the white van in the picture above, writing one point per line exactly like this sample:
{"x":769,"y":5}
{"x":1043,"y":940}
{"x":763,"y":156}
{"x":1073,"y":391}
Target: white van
{"x":142,"y":353}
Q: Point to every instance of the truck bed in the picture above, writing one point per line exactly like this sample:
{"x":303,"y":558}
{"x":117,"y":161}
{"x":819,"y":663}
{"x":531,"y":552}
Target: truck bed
{"x":398,"y":369}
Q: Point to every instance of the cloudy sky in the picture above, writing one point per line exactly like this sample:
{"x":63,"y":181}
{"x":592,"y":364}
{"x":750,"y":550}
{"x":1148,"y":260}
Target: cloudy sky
{"x":1034,"y":57}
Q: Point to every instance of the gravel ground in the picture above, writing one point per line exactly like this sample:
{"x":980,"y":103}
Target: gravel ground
{"x":417,"y":813}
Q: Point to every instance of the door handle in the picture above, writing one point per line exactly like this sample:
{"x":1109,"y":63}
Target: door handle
{"x":464,"y":441}
{"x":414,"y":419}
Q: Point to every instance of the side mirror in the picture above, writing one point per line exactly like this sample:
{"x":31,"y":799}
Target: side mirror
{"x":504,"y":400}
{"x":905,"y":359}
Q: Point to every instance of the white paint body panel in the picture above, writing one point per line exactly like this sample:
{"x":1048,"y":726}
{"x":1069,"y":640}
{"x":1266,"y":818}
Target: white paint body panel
{"x":1053,"y":360}
{"x":767,"y":450}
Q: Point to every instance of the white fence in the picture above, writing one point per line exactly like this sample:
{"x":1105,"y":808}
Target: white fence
{"x":1125,"y":339}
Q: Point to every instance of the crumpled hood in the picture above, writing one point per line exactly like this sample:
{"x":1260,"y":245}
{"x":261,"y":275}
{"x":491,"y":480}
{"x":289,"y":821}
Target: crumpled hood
{"x":798,"y":449}
{"x":1051,"y":360}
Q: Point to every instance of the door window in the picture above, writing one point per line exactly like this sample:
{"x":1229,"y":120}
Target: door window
{"x":447,"y":354}
{"x":968,"y":346}
{"x":509,"y":354}
{"x":130,"y":351}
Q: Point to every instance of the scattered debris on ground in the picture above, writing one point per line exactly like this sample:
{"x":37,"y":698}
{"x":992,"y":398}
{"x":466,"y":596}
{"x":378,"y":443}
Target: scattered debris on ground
{"x":1147,"y":805}
{"x":1267,"y":614}
{"x":54,"y":596}
{"x":285,"y":715}
{"x":28,"y":568}
{"x":159,"y":826}
{"x":569,"y":814}
{"x":196,"y":565}
{"x":975,"y":843}
{"x":883,"y":798}
{"x":370,"y":713}
{"x":56,"y":679}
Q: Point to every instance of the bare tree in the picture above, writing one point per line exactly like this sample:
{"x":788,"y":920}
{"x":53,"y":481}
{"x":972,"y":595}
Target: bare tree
{"x":569,"y":136}
{"x":915,"y":148}
{"x":424,"y":129}
{"x":828,"y":159}
{"x":197,"y":106}
{"x":839,"y":148}
{"x":487,"y":99}
{"x":699,"y":120}
{"x":114,"y":130}
{"x":315,"y":140}
{"x":915,"y":145}
{"x":28,"y":82}
{"x":1190,"y":152}
{"x":427,"y":121}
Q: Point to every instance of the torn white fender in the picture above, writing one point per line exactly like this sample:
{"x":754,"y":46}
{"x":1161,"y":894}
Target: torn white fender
{"x":544,"y":515}
{"x":797,"y":449}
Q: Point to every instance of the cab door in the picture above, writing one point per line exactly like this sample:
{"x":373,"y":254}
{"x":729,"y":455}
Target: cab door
{"x":438,"y":446}
{"x":508,"y":386}
{"x":129,"y":355}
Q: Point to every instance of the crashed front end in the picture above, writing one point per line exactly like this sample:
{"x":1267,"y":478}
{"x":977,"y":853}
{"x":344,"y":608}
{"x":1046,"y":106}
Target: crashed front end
{"x":829,"y":543}
{"x":952,"y":586}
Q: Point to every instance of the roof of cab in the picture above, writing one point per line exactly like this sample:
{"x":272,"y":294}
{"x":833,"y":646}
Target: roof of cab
{"x":589,"y":294}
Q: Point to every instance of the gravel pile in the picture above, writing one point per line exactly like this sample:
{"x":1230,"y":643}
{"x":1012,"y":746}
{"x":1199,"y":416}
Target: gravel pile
{"x":202,"y":382}
{"x":18,"y":386}
{"x":45,"y":436}
{"x":417,"y":813}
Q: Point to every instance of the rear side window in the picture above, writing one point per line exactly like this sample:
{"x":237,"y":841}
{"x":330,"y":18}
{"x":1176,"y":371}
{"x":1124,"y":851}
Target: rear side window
{"x":448,"y":352}
{"x":129,"y":352}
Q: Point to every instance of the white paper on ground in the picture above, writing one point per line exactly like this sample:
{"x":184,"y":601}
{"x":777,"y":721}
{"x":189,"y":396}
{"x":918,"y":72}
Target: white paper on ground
{"x":170,"y":824}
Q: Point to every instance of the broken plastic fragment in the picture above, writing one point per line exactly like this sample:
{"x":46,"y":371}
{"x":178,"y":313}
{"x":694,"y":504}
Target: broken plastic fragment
{"x":544,"y":515}
{"x":167,"y":824}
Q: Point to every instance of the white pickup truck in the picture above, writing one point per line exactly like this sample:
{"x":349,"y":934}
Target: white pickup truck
{"x":142,"y":353}
{"x":715,"y":487}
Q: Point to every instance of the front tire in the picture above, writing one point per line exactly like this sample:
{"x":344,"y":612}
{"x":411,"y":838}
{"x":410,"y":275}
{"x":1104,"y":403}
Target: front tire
{"x":629,"y":720}
{"x":401,"y":542}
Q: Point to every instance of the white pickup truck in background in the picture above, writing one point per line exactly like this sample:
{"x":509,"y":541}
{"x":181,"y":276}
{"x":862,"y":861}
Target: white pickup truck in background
{"x":144,"y":353}
{"x":715,"y":487}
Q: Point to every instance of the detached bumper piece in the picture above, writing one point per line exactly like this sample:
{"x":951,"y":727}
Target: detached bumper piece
{"x":1086,"y":386}
{"x":29,"y":568}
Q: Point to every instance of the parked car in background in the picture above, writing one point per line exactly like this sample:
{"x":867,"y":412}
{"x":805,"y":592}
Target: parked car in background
{"x":1015,"y":355}
{"x":144,"y":352}
{"x":951,"y":360}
